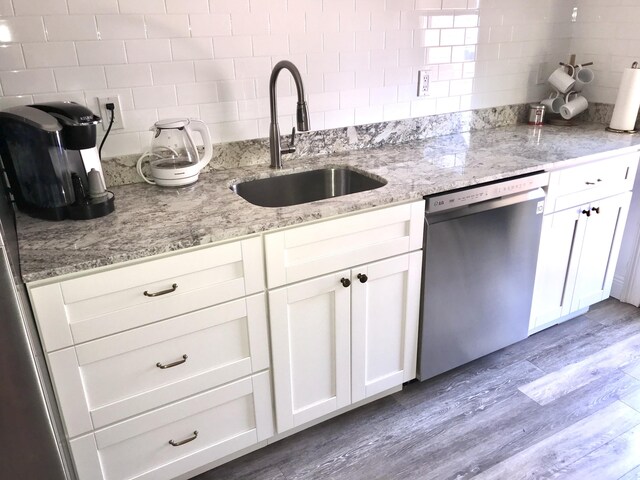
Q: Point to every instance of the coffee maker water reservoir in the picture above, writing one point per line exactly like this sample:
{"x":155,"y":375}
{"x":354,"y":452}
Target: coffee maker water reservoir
{"x":49,"y":155}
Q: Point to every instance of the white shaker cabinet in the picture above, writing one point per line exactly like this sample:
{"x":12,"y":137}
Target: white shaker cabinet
{"x":160,"y":367}
{"x":585,"y":215}
{"x":345,"y":336}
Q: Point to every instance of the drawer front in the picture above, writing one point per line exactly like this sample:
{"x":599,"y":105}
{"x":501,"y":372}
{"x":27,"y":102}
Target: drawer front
{"x":226,"y":419}
{"x":593,"y":181}
{"x":313,"y":250}
{"x":121,"y":375}
{"x":94,"y":306}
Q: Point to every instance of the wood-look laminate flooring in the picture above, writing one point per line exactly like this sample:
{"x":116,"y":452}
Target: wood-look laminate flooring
{"x":565,"y":403}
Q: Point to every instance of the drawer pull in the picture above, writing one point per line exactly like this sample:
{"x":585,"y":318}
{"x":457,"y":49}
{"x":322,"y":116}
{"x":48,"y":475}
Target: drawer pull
{"x":596,"y":209}
{"x":587,"y":212}
{"x":186,"y":440}
{"x":363,"y":278}
{"x":173,"y":288}
{"x":345,"y":282}
{"x":593,"y":183}
{"x":174,"y":364}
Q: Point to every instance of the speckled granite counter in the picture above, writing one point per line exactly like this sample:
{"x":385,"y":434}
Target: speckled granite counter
{"x":150,"y":220}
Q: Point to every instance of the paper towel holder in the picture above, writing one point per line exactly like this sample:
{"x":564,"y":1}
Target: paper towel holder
{"x":634,"y":65}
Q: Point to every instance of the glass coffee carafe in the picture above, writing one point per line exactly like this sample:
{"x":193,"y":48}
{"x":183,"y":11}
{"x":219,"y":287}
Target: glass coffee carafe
{"x":173,"y":158}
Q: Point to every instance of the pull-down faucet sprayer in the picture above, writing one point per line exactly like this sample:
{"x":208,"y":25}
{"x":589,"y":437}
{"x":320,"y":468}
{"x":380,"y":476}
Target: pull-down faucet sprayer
{"x":302,"y":114}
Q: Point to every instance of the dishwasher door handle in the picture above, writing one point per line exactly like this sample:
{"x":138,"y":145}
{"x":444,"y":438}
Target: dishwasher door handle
{"x":479,"y":207}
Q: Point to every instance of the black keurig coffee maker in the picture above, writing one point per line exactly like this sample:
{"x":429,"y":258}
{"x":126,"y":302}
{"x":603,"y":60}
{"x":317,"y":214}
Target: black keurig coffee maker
{"x":49,"y":155}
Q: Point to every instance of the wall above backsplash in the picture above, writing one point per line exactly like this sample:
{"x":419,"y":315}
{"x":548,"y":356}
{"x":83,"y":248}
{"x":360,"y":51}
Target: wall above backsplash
{"x":211,"y":59}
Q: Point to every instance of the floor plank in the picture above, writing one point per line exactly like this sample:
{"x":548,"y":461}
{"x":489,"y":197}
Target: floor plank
{"x":567,"y":379}
{"x":474,"y":420}
{"x":567,"y":446}
{"x":611,"y":461}
{"x":632,"y":475}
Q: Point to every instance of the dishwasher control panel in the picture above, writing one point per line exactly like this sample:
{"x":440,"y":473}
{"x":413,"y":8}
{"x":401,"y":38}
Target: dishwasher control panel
{"x":468,"y":196}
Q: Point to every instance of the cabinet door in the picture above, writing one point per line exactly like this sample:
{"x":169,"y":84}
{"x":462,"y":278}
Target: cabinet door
{"x":558,"y":257}
{"x":310,"y":336}
{"x":600,"y":249}
{"x":385,"y":310}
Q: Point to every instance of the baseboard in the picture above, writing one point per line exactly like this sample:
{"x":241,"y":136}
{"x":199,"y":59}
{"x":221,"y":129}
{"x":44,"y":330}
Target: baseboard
{"x":617,"y":287}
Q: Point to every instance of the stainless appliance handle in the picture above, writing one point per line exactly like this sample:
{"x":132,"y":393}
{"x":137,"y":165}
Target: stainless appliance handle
{"x":479,"y":207}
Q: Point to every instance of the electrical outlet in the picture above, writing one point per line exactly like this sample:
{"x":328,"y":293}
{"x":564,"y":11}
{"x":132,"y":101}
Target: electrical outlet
{"x":424,"y":77}
{"x":118,"y":123}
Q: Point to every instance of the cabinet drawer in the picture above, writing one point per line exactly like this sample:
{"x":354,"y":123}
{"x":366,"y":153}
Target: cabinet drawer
{"x":313,"y":250}
{"x":585,"y":183}
{"x":226,"y":419}
{"x":119,"y":376}
{"x":93,"y":306}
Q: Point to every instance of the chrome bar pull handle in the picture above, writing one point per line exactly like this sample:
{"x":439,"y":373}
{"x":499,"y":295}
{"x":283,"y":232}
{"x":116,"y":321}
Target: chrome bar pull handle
{"x":174,"y":364}
{"x":173,"y":288}
{"x":186,"y":440}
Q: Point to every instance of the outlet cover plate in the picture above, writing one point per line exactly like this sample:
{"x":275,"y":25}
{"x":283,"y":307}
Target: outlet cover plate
{"x":425,"y":77}
{"x":118,"y":123}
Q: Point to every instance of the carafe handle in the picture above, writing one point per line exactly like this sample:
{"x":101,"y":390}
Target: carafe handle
{"x":201,"y":127}
{"x":139,"y":167}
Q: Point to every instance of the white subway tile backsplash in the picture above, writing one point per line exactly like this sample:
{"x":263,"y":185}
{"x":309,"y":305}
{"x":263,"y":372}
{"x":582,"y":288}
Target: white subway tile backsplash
{"x":213,"y":70}
{"x":249,"y":23}
{"x":252,"y":67}
{"x":187,"y":6}
{"x":289,"y":22}
{"x":8,"y":101}
{"x":167,"y":26}
{"x":229,"y":6}
{"x":80,"y":78}
{"x":77,"y":97}
{"x":21,"y":29}
{"x":153,"y":97}
{"x":339,"y":81}
{"x":191,"y":48}
{"x":148,"y":51}
{"x":50,"y":54}
{"x":264,"y":45}
{"x":219,"y":112}
{"x":325,"y":22}
{"x":339,"y":42}
{"x":305,"y":43}
{"x":173,"y":73}
{"x":381,"y":20}
{"x":196,"y":93}
{"x":142,"y":6}
{"x":39,"y":7}
{"x":359,"y":58}
{"x":92,"y":6}
{"x":120,"y":27}
{"x":11,"y":57}
{"x":229,"y":91}
{"x":132,"y":75}
{"x":354,"y":22}
{"x":70,"y":27}
{"x":232,"y":47}
{"x":101,"y":52}
{"x":6,"y":9}
{"x":25,"y":82}
{"x":354,"y":98}
{"x":213,"y":25}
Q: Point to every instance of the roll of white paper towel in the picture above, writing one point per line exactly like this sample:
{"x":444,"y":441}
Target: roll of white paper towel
{"x":625,"y":111}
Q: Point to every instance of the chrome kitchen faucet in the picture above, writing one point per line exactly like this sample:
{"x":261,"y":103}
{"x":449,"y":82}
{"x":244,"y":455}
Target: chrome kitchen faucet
{"x":302,"y":114}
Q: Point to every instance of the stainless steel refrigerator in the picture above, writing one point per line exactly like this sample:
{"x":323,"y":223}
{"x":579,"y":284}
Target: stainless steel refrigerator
{"x":32,"y":446}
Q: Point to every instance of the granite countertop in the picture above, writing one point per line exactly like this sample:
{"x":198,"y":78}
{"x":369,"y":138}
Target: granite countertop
{"x":150,"y":220}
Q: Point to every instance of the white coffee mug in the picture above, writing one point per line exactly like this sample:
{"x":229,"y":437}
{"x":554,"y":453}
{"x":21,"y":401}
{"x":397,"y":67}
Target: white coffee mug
{"x":584,"y":76}
{"x":553,"y":103}
{"x":573,"y":106}
{"x":562,"y":81}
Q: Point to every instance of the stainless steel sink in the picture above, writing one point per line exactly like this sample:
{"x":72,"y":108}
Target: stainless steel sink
{"x":304,"y":187}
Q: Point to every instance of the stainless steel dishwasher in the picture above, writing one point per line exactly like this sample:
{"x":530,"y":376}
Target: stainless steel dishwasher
{"x":480,"y":254}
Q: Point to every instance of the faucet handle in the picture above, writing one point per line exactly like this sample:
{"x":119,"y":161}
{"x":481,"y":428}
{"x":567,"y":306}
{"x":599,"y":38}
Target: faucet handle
{"x":292,"y":143}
